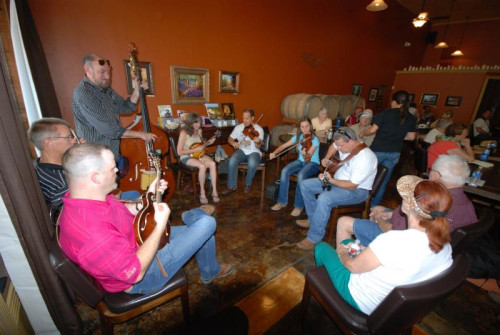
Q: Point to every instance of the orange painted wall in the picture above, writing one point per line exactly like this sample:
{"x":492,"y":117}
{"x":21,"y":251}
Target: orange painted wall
{"x":263,"y":40}
{"x":468,"y":85}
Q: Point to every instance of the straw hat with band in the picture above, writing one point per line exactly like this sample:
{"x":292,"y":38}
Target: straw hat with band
{"x":406,"y":188}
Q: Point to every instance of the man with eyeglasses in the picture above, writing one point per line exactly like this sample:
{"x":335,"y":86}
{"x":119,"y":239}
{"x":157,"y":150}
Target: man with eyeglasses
{"x":450,"y":170}
{"x":350,"y":184}
{"x":52,"y":137}
{"x":97,"y":107}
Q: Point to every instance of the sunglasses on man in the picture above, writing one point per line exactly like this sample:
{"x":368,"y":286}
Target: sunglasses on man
{"x":103,"y":61}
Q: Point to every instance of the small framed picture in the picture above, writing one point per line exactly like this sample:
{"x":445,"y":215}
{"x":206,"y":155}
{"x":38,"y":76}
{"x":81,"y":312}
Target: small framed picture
{"x":229,"y":82}
{"x":227,"y":110}
{"x":213,"y":111}
{"x":411,"y":97}
{"x":356,"y":89}
{"x":146,"y":70}
{"x":429,"y":99}
{"x":453,"y":101}
{"x":190,"y":85}
{"x":373,"y":94}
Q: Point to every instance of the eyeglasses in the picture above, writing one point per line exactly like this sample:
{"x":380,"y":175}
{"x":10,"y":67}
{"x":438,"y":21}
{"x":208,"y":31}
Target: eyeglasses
{"x":69,"y":137}
{"x":344,"y":132}
{"x":103,"y":61}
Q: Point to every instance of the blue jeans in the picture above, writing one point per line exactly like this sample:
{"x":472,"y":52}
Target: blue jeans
{"x":366,"y":231}
{"x":318,"y":210}
{"x":304,"y":171}
{"x":238,"y":157}
{"x":389,"y":160}
{"x":196,"y":236}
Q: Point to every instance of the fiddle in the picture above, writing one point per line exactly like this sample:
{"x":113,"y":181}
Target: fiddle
{"x":306,"y":146}
{"x":144,"y":221}
{"x":250,"y":132}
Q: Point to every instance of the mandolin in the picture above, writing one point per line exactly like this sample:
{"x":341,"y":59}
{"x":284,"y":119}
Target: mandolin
{"x":144,"y":221}
{"x":202,"y":153}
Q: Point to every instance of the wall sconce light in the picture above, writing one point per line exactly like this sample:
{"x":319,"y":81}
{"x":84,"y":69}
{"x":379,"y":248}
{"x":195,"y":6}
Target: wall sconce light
{"x":459,"y":52}
{"x":422,"y":18}
{"x":376,"y":6}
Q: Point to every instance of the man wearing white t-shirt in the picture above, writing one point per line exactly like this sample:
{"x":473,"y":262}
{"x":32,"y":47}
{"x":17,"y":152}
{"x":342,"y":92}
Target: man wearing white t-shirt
{"x":350,"y":184}
{"x":481,"y":127}
{"x":247,"y":148}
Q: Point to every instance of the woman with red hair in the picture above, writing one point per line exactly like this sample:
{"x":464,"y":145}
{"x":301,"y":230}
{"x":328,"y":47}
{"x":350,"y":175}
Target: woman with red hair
{"x":395,"y":258}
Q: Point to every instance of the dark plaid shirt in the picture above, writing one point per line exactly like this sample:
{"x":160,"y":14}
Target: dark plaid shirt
{"x":97,"y":114}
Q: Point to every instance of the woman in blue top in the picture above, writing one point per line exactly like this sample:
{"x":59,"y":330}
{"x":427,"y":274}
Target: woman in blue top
{"x":306,"y":166}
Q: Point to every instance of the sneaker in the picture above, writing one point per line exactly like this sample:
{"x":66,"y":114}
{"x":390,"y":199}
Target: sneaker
{"x":303,"y":223}
{"x":296,"y":211}
{"x":247,"y":189}
{"x":227,"y":191}
{"x":277,"y":207}
{"x":305,"y":244}
{"x":225,"y":270}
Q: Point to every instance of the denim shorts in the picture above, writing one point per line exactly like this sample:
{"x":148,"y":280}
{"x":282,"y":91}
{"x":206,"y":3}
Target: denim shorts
{"x":366,"y":231}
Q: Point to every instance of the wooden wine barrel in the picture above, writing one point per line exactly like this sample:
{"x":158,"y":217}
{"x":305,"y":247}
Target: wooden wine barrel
{"x":280,"y":129}
{"x":348,"y":103}
{"x":332,"y":105}
{"x":295,"y":106}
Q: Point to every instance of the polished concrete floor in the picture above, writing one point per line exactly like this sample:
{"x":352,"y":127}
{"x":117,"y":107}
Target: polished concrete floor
{"x":261,"y":244}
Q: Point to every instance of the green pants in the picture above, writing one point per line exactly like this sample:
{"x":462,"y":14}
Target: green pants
{"x":328,"y":257}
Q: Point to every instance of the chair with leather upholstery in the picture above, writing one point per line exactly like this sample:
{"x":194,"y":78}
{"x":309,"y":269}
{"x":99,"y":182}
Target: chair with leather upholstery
{"x":404,"y":307}
{"x":263,"y":162}
{"x":421,"y":158}
{"x":463,"y":238}
{"x":362,"y":208}
{"x":183,"y":168}
{"x":115,"y":308}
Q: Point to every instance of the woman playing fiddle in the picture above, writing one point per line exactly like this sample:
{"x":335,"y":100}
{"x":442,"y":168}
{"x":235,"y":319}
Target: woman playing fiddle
{"x":305,"y":166}
{"x":189,"y":135}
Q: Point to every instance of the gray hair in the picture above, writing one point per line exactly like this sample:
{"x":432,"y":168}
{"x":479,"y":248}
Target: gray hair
{"x":453,"y":169}
{"x":444,"y":122}
{"x":345,"y":133}
{"x":43,"y":129}
{"x":80,"y":160}
{"x":89,"y":58}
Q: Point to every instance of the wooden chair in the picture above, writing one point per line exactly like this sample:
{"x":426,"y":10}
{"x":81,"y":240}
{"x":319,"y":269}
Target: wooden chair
{"x":183,"y":168}
{"x":464,"y":237}
{"x":397,"y":313}
{"x":263,"y":162}
{"x":363,"y":208}
{"x":115,"y":308}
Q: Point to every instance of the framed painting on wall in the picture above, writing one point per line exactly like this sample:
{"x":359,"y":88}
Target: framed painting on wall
{"x":227,"y":110}
{"x":356,"y":89}
{"x":229,"y":82}
{"x":429,"y":99}
{"x":373,"y":95}
{"x":453,"y":101}
{"x":146,"y":75}
{"x":190,"y":85}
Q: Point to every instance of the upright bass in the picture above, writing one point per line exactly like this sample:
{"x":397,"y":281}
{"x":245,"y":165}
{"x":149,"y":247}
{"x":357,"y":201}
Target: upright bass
{"x":150,"y":151}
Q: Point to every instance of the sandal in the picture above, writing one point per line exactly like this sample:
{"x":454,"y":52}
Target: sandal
{"x":216,"y":199}
{"x":203,"y":200}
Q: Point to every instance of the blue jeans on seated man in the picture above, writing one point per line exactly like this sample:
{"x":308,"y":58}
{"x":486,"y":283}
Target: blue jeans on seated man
{"x":303,"y":171}
{"x":318,"y":210}
{"x":195,"y":236}
{"x":389,"y":160}
{"x":366,"y":231}
{"x":238,"y":157}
